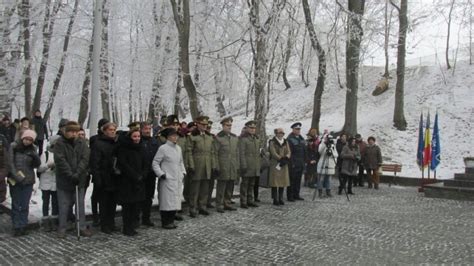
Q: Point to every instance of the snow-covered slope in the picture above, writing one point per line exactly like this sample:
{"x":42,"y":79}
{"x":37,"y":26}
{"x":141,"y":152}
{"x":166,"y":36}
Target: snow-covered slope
{"x":426,"y":89}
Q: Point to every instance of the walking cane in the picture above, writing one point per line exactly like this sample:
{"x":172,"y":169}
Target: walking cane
{"x":78,"y":225}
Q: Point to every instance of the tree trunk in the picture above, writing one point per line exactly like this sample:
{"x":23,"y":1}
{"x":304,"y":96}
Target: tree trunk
{"x":182,"y":20}
{"x":155,"y":106}
{"x":287,"y":56}
{"x":104,"y":63}
{"x":386,"y":40}
{"x":260,"y":59}
{"x":177,"y":96}
{"x":57,"y":80}
{"x":399,"y":120}
{"x":448,"y":65}
{"x":318,"y":93}
{"x":84,"y":104}
{"x":48,"y":26}
{"x":24,"y":12}
{"x":470,"y":32}
{"x":302,"y":72}
{"x":354,"y":38}
{"x":8,"y":64}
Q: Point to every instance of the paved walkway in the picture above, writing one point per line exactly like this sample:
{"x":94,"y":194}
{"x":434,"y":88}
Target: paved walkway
{"x":394,"y":225}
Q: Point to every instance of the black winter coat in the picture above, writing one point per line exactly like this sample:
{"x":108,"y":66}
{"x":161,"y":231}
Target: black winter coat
{"x":151,"y":146}
{"x":131,"y":161}
{"x":312,"y":153}
{"x":72,"y":159}
{"x":101,"y":163}
{"x":40,"y":127}
{"x":298,"y":150}
{"x":9,"y":132}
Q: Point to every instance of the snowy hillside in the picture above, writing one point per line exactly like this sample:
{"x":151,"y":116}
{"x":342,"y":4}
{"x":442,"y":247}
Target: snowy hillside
{"x":426,"y":89}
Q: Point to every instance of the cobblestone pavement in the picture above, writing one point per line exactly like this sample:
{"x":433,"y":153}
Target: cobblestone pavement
{"x":394,"y":225}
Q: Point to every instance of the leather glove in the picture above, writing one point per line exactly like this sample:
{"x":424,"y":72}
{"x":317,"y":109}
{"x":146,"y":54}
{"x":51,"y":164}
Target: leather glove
{"x":163,"y":177}
{"x":75,"y":180}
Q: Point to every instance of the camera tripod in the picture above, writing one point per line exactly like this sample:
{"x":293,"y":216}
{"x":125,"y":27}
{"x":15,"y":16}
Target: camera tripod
{"x":324,"y":164}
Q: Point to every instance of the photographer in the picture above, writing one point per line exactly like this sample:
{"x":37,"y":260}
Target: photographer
{"x":326,"y":165}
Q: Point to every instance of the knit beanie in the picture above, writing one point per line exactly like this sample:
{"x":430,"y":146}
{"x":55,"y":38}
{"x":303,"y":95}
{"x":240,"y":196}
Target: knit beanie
{"x":28,"y":134}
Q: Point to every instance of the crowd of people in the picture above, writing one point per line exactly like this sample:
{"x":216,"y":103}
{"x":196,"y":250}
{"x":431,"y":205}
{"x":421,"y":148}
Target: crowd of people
{"x":176,"y":159}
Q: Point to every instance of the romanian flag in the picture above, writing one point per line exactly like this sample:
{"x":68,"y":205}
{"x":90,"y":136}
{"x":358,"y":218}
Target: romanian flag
{"x":427,"y":146}
{"x":421,"y":144}
{"x":435,"y":146}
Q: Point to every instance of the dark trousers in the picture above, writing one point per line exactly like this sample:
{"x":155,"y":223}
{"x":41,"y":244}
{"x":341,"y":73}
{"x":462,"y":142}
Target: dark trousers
{"x":39,"y":143}
{"x":50,"y":196}
{"x":150,"y":186}
{"x":293,"y":191}
{"x":21,"y":195}
{"x":129,"y":214}
{"x":255,"y":187}
{"x":95,"y":198}
{"x":187,"y":188}
{"x":359,"y":179}
{"x":343,"y":179}
{"x":212,"y":182}
{"x":167,"y":217}
{"x":3,"y":189}
{"x":107,"y":207}
{"x":277,"y":193}
{"x":198,"y":195}
{"x":224,"y":191}
{"x":246,"y":190}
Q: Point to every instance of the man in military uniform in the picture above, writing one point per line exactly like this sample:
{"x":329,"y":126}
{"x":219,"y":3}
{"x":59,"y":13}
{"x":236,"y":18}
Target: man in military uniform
{"x":249,"y":147}
{"x":226,"y":146}
{"x":297,"y":162}
{"x":201,"y":163}
{"x":212,"y":181}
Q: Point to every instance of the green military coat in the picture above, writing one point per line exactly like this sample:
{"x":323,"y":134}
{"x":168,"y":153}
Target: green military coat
{"x":249,"y":152}
{"x":226,"y":148}
{"x":200,"y":155}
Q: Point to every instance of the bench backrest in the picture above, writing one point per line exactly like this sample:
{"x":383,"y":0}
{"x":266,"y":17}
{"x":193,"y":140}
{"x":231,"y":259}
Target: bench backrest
{"x":396,"y":168}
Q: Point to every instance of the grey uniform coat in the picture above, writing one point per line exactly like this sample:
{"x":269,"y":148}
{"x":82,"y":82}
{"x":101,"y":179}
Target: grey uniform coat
{"x":249,"y":151}
{"x":169,"y":161}
{"x":226,"y":147}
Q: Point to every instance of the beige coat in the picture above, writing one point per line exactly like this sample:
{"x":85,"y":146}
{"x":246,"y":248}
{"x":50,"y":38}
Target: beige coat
{"x":278,"y":178}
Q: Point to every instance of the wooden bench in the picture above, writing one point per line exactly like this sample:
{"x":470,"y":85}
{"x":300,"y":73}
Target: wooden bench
{"x":392,"y":167}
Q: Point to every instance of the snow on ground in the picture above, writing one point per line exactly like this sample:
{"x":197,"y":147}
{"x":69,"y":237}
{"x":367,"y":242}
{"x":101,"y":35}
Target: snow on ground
{"x":426,"y":89}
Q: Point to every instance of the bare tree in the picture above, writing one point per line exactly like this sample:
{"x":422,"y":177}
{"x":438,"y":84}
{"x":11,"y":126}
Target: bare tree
{"x":354,"y":39}
{"x":262,"y":34}
{"x":388,"y":20}
{"x":59,"y":75}
{"x":9,"y":57}
{"x":182,"y":20}
{"x":104,"y":63}
{"x":448,"y":65}
{"x":24,"y":13}
{"x":84,"y":103}
{"x":318,"y":93}
{"x":399,"y":120}
{"x":48,"y":26}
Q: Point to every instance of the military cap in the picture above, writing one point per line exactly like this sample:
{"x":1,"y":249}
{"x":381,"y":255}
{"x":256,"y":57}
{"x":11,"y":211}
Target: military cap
{"x":358,"y":136}
{"x":204,"y":120}
{"x":296,"y":125}
{"x":168,"y":132}
{"x":171,"y":120}
{"x":251,"y":124}
{"x":227,"y":120}
{"x":191,"y":124}
{"x":134,"y":125}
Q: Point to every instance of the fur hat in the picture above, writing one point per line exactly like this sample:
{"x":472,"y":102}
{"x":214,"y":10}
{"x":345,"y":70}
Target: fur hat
{"x":62,"y":122}
{"x":72,"y":126}
{"x":29,"y":134}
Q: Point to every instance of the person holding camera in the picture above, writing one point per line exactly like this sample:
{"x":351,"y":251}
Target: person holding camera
{"x":280,"y":155}
{"x":326,"y":165}
{"x":23,"y":160}
{"x":350,"y":157}
{"x":131,"y":162}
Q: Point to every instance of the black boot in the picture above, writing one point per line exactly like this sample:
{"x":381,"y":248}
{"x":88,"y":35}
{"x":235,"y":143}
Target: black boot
{"x":339,"y":191}
{"x":280,"y":196}
{"x":328,"y":193}
{"x":320,"y":193}
{"x":275,"y":196}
